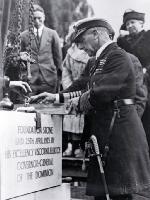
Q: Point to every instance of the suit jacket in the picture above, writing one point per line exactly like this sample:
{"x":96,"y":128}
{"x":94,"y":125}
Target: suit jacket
{"x":47,"y":56}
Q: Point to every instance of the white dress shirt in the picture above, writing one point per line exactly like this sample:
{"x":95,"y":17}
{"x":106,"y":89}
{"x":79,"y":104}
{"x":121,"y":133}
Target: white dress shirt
{"x":101,"y":49}
{"x":40,"y":30}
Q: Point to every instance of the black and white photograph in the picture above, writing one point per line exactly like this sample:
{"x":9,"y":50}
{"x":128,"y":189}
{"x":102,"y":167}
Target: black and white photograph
{"x":74,"y":100}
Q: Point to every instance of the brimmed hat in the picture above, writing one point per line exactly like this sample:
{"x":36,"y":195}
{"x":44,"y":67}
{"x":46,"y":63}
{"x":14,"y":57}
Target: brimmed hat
{"x":83,"y":25}
{"x":132,"y":14}
{"x":70,"y":36}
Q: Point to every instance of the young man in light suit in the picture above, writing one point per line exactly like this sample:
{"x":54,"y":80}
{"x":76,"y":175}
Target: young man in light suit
{"x":46,"y":51}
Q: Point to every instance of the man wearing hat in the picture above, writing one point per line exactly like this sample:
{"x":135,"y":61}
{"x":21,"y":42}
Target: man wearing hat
{"x":108,"y":104}
{"x":46,"y":51}
{"x":137,"y":43}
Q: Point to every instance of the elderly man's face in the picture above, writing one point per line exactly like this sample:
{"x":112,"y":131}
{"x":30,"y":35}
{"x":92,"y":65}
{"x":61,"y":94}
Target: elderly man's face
{"x":88,"y":43}
{"x":39,"y":18}
{"x":134,"y":26}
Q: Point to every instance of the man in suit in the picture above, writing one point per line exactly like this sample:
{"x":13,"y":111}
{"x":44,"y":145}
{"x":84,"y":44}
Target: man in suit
{"x":46,"y":51}
{"x":111,"y":115}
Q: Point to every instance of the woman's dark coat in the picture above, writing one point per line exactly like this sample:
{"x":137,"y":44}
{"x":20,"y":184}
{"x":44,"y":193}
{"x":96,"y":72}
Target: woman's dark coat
{"x":138,"y":45}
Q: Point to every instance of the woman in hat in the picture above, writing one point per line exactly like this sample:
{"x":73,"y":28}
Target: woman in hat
{"x":137,"y":42}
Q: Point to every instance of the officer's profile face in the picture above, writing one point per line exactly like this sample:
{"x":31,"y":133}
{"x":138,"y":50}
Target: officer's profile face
{"x":87,"y":42}
{"x":39,"y":19}
{"x":134,"y":26}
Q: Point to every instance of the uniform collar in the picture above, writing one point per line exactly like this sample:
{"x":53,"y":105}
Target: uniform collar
{"x":101,"y":49}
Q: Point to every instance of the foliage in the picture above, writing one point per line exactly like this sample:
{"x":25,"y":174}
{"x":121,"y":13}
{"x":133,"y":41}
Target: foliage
{"x":59,"y":14}
{"x":68,"y":11}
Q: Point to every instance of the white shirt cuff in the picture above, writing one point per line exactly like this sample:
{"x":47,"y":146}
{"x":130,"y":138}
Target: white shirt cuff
{"x":57,"y":98}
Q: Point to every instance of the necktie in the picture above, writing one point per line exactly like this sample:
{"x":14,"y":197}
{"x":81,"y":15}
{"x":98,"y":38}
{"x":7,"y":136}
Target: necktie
{"x":38,"y":37}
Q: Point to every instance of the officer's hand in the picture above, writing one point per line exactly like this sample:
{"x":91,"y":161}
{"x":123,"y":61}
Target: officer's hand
{"x":45,"y":98}
{"x":17,"y":85}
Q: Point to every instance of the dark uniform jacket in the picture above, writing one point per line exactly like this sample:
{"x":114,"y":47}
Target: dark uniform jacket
{"x":137,"y":45}
{"x":127,"y":164}
{"x":47,"y":57}
{"x":141,"y":89}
